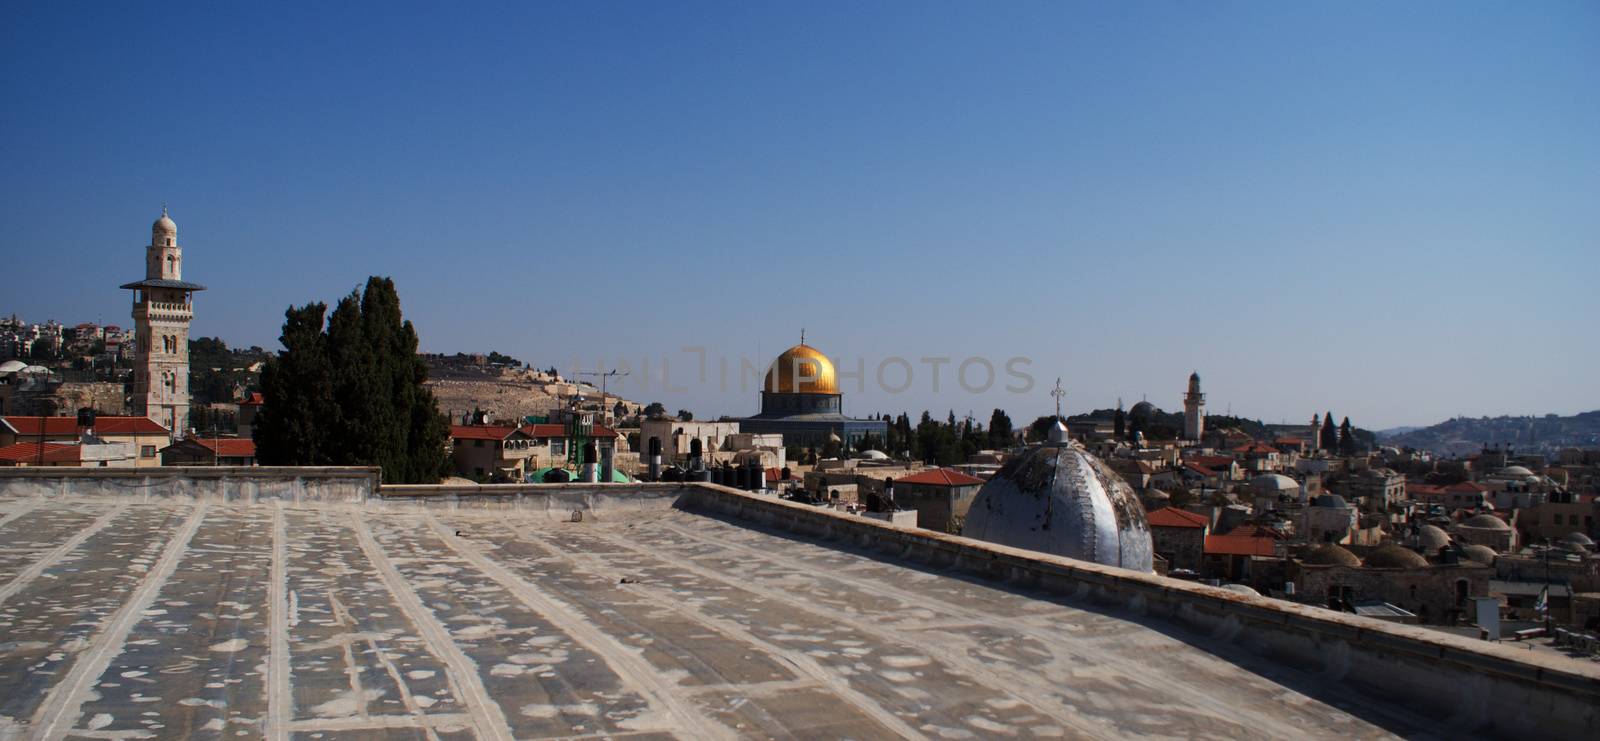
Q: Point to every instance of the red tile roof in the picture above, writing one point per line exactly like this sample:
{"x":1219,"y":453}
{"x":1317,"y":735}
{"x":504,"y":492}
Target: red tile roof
{"x":1245,"y":540}
{"x":63,"y":426}
{"x":1197,"y":468}
{"x":1214,"y":461}
{"x":1467,"y":487}
{"x":1255,"y":448}
{"x":1174,"y":517}
{"x":559,"y":430}
{"x":481,"y":432}
{"x":29,"y":453}
{"x":1426,"y":490}
{"x":941,"y":477}
{"x":230,"y":447}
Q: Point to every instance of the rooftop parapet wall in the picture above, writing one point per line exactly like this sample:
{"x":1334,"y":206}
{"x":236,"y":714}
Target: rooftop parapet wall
{"x":300,"y":485}
{"x":1474,"y":686}
{"x":555,"y":501}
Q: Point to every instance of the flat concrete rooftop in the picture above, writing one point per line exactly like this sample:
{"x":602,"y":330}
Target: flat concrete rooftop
{"x":182,"y":618}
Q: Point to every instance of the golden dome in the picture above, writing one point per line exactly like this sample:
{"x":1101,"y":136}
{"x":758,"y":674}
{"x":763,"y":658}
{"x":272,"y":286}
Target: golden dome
{"x":801,"y":369}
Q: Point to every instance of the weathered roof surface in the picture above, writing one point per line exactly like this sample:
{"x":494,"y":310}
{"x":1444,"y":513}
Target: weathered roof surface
{"x":176,"y":619}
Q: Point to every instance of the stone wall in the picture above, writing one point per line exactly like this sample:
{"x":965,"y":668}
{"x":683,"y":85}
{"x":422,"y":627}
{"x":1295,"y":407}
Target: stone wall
{"x":555,"y":501}
{"x":320,"y":485}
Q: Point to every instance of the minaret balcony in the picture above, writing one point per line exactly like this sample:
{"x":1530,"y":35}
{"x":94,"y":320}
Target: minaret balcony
{"x":163,"y":309}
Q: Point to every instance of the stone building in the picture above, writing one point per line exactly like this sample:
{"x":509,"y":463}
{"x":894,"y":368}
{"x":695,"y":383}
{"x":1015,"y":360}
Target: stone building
{"x":1486,"y":529}
{"x":1332,"y":576}
{"x":1329,"y":519}
{"x":163,"y":307}
{"x":210,"y":451}
{"x":1179,"y":536}
{"x":144,"y":437}
{"x":941,"y":497}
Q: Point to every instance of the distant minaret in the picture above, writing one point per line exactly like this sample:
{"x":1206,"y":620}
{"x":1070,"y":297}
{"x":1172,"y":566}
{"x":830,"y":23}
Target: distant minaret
{"x":162,"y":309}
{"x":1194,"y":410}
{"x":1316,"y":432}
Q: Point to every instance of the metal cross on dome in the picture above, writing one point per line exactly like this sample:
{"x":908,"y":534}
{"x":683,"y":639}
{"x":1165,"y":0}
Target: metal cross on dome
{"x":1058,"y":392}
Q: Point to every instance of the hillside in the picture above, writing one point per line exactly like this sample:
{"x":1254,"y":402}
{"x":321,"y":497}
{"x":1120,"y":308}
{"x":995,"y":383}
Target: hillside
{"x":508,"y":393}
{"x":1464,"y":435}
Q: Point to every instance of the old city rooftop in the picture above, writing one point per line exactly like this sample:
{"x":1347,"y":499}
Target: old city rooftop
{"x":161,"y":616}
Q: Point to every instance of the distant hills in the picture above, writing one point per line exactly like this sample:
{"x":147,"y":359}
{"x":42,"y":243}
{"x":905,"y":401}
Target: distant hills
{"x":1463,"y":435}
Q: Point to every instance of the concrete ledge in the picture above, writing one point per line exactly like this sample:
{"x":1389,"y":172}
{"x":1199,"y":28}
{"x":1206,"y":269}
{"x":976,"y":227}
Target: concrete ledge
{"x":297,"y":484}
{"x":1457,"y":680}
{"x":554,"y":501}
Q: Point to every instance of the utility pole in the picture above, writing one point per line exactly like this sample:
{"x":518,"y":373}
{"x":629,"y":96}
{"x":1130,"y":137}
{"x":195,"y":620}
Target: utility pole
{"x":605,"y":411}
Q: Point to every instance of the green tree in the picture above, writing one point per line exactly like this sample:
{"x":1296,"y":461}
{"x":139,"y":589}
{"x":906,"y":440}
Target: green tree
{"x":296,"y":425}
{"x":354,"y":394}
{"x":1000,"y":432}
{"x":685,"y":415}
{"x":1040,"y":428}
{"x":1330,"y":438}
{"x":1347,"y":441}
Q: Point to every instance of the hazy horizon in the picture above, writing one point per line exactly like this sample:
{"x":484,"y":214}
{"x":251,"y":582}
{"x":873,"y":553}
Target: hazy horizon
{"x":1387,"y":212}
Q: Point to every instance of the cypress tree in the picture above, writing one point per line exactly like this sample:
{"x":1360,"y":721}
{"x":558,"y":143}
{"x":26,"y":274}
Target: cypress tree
{"x":367,"y":374}
{"x":1347,"y":441}
{"x":1000,"y":429}
{"x":295,"y":426}
{"x":1330,"y":439}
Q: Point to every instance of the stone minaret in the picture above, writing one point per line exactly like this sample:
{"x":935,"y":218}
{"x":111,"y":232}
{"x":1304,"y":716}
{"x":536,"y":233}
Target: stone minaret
{"x":1194,"y":410}
{"x":1316,"y":432}
{"x":162,"y":309}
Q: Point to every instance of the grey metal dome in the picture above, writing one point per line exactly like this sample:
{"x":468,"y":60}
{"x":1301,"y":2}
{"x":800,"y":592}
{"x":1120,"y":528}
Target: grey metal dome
{"x":1059,"y":499}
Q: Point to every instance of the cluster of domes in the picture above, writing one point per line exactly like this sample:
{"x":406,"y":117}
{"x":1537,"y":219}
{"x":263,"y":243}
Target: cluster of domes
{"x":1057,"y":498}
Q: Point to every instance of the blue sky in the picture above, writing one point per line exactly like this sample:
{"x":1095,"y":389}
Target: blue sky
{"x":1390,"y":210}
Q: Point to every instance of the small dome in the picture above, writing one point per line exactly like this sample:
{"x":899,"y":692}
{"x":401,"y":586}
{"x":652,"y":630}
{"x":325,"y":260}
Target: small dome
{"x":1143,"y":409}
{"x":1329,"y":500}
{"x":1391,"y":556}
{"x":1480,"y":553}
{"x":1431,"y":538}
{"x":1577,"y":538}
{"x":875,"y":455}
{"x":1241,"y":589}
{"x":1518,"y":472}
{"x":164,"y":225}
{"x":1329,"y":554}
{"x":1272,"y":483}
{"x":801,"y":369}
{"x":1059,"y":499}
{"x":12,"y":366}
{"x":1486,"y":522}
